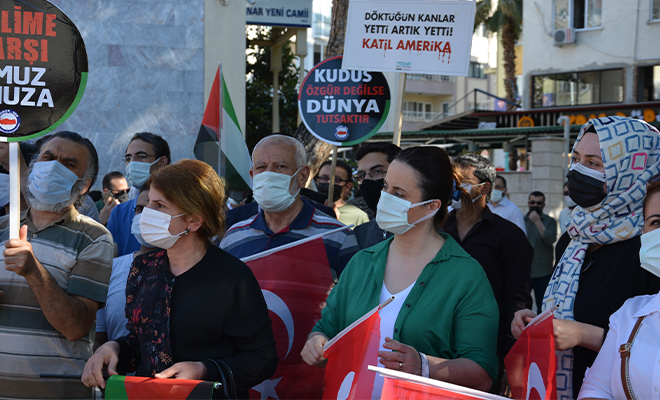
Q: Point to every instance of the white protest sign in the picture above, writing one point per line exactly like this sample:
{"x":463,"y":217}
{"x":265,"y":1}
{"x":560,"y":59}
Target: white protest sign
{"x":425,"y":37}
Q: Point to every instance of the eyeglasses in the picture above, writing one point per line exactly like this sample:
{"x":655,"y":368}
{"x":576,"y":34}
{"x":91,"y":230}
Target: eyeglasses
{"x":326,"y":179}
{"x":138,"y":209}
{"x":140,"y":157}
{"x":120,"y":192}
{"x":536,"y":203}
{"x":375,"y":174}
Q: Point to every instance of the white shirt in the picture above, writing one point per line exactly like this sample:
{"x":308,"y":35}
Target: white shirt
{"x":603,"y":379}
{"x":509,"y":211}
{"x":388,"y":315}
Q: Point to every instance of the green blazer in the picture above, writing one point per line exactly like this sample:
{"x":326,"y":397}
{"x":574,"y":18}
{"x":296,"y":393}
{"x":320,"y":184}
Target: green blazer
{"x":450,"y":312}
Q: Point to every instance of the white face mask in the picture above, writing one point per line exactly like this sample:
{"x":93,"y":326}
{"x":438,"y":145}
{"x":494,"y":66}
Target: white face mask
{"x":155,"y":228}
{"x":51,"y":182}
{"x":135,"y":230}
{"x":392,"y":214}
{"x":569,"y":202}
{"x":468,"y":188}
{"x":497,"y":195}
{"x":137,"y":172}
{"x":271,"y":191}
{"x":649,"y":253}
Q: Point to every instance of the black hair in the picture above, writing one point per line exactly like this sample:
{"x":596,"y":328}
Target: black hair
{"x":340,"y":164}
{"x":93,"y":162}
{"x":390,"y":149}
{"x":436,"y":176}
{"x":161,"y":148}
{"x":110,"y":176}
{"x":536,"y":193}
{"x":498,"y":176}
{"x":484,"y":169}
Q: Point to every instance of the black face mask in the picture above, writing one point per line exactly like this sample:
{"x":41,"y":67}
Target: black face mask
{"x":585,"y":190}
{"x":122,"y":198}
{"x":323,"y":189}
{"x":535,"y":208}
{"x":371,"y":192}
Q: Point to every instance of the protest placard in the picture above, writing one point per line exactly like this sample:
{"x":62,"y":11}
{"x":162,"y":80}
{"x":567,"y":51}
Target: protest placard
{"x":343,"y":107}
{"x":44,"y":68}
{"x":426,"y":37}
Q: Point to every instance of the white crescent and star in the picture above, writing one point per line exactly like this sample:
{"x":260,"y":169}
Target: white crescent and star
{"x":279,"y":307}
{"x":535,"y":381}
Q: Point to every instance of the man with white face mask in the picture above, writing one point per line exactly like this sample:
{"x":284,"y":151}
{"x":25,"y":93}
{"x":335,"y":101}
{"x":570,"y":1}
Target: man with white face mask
{"x":501,"y":205}
{"x":498,"y":245}
{"x":111,"y":319}
{"x":146,"y":153}
{"x":279,"y":171}
{"x":54,"y":277}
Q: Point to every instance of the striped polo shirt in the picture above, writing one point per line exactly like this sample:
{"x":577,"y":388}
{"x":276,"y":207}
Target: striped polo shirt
{"x":77,"y":252}
{"x":252,"y":236}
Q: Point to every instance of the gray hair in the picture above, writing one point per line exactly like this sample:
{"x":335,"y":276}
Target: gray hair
{"x":301,"y":154}
{"x":484,"y":169}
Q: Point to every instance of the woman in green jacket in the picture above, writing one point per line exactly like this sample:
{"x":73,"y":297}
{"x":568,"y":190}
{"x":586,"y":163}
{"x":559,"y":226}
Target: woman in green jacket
{"x":443,"y":321}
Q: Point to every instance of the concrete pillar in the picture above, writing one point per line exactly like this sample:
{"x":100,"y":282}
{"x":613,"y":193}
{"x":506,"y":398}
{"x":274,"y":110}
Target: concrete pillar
{"x":224,"y":22}
{"x":547,"y":172}
{"x":276,"y":67}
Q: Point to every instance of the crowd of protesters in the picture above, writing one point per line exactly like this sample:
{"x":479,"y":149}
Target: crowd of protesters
{"x":145,"y":276}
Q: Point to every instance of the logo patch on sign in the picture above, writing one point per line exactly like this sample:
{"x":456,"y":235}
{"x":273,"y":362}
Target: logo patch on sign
{"x":9,"y":121}
{"x":341,"y":132}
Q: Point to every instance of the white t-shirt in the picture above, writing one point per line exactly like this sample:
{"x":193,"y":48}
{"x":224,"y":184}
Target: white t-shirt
{"x":388,"y":316}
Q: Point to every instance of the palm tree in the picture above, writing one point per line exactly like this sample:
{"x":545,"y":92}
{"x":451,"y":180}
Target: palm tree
{"x":506,"y":18}
{"x":318,"y":150}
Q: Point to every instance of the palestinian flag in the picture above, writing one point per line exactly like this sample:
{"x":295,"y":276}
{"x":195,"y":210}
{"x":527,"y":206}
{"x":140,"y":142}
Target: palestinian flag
{"x":220,"y":142}
{"x":121,"y":387}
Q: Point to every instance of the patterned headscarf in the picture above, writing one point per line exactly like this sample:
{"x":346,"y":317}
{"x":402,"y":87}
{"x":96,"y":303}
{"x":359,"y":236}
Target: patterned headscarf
{"x":630,"y":149}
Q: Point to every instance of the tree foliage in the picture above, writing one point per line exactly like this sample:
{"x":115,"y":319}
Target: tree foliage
{"x":259,"y":88}
{"x":506,"y":18}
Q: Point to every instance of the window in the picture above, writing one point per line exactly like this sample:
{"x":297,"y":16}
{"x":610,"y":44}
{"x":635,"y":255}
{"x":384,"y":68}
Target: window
{"x":417,"y":111}
{"x":655,"y":10}
{"x":578,"y":88}
{"x":476,"y":70}
{"x":648,"y":83}
{"x":318,"y":53}
{"x":322,"y":18}
{"x":578,"y":14}
{"x":445,"y":110}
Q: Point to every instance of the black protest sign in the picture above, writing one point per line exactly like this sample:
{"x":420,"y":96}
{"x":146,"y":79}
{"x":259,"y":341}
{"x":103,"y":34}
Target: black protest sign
{"x":43,"y":68}
{"x":343,"y":107}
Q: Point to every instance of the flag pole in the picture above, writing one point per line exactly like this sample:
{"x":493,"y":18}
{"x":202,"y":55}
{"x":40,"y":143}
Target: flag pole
{"x":331,"y":185}
{"x":221,"y":126}
{"x":14,"y":191}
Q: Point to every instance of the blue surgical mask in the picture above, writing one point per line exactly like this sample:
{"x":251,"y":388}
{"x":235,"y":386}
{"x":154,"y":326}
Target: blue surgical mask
{"x":51,"y":182}
{"x":137,"y":172}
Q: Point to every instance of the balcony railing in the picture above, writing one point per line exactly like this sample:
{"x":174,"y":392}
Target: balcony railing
{"x":426,"y":77}
{"x":424,"y":116}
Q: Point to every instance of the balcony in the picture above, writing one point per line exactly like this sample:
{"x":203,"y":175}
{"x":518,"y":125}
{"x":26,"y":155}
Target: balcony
{"x":430,"y":84}
{"x":422,"y":116}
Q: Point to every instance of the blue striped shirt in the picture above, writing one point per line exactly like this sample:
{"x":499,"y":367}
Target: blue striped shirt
{"x":252,"y":236}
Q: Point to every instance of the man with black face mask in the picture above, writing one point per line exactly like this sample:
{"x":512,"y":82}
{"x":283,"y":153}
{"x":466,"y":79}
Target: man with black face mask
{"x":542,"y":233}
{"x":373,"y":161}
{"x":346,"y":213}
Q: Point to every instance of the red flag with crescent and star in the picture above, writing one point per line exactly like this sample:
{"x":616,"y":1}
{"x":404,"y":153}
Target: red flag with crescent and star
{"x":349,"y":355}
{"x":531,"y":364}
{"x":295,"y":281}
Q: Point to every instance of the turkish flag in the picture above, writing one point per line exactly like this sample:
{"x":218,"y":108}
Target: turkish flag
{"x":531,"y":365}
{"x":121,"y":387}
{"x":295,"y":281}
{"x":397,"y":389}
{"x":349,"y":354}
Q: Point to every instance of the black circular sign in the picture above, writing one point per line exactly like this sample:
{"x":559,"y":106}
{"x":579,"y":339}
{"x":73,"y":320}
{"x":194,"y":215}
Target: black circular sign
{"x":343,"y":107}
{"x":43,"y":68}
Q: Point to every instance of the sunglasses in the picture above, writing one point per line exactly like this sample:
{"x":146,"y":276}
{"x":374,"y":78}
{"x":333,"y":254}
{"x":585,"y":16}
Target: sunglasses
{"x":536,"y":203}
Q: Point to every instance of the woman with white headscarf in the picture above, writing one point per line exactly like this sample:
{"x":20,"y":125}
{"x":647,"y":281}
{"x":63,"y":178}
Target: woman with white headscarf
{"x":598,"y":257}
